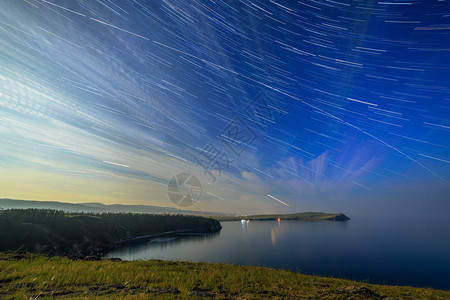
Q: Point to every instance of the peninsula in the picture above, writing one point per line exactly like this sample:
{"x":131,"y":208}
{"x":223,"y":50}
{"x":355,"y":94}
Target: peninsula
{"x":304,"y":216}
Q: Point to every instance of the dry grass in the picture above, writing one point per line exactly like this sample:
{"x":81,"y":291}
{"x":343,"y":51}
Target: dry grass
{"x":43,"y":277}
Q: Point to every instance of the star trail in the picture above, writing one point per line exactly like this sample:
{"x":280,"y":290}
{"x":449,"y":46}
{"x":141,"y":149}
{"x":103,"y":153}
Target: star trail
{"x":273,"y":105}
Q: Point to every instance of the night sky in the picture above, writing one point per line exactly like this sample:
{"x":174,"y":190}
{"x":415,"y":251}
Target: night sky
{"x":273,"y":105}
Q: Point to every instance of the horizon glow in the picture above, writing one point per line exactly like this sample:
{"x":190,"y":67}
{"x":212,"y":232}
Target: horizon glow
{"x":107,"y":101}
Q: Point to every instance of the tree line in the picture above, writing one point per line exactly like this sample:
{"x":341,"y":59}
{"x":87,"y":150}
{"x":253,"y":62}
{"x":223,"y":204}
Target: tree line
{"x":61,"y":233}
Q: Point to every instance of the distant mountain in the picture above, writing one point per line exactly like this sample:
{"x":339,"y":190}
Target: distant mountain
{"x":96,"y":207}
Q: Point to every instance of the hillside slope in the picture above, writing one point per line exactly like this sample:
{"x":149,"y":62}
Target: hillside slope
{"x":58,"y":233}
{"x":38,"y":276}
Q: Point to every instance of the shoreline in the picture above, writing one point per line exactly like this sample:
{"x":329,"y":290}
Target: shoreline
{"x":36,"y":275}
{"x":148,"y":238}
{"x":80,"y":235}
{"x":303,"y":216}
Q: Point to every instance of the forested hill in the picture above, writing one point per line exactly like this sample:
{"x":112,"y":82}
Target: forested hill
{"x":58,"y":233}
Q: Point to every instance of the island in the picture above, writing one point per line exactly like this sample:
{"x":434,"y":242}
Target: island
{"x":303,"y":216}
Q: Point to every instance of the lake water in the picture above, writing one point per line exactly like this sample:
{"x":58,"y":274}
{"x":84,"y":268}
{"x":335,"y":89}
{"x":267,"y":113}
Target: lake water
{"x":390,"y":251}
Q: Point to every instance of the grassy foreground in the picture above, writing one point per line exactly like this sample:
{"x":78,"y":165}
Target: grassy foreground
{"x":41,"y":277}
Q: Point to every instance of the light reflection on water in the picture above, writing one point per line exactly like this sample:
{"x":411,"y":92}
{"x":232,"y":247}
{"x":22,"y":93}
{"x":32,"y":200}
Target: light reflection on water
{"x":278,"y":231}
{"x":380,"y":251}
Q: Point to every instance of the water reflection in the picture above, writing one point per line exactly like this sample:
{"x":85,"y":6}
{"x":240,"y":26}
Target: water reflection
{"x":143,"y":250}
{"x":278,"y":230}
{"x":244,"y":224}
{"x":380,"y":251}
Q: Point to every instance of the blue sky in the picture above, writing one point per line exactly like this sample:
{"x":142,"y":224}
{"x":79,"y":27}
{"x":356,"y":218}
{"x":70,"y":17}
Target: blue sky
{"x":273,"y":105}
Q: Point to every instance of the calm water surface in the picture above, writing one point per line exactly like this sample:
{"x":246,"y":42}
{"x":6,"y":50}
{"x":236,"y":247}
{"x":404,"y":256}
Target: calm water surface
{"x":400,"y":252}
